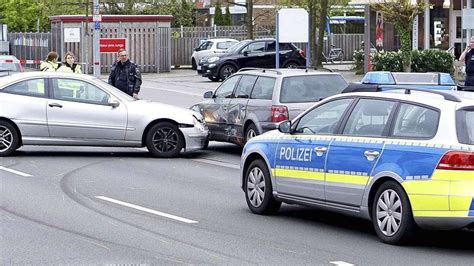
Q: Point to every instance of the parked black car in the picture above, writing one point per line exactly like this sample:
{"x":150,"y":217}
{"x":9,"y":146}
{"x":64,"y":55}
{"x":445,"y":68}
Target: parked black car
{"x":251,"y":53}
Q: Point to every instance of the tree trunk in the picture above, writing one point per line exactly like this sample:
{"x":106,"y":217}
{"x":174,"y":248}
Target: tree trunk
{"x":312,"y":34}
{"x":405,"y":47}
{"x":249,"y":19}
{"x":322,"y":27}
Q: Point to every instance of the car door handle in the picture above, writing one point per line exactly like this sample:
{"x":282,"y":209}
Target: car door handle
{"x":55,"y":105}
{"x":371,"y":155}
{"x":320,"y":150}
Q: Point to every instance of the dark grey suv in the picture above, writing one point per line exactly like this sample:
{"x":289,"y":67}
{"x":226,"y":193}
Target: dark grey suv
{"x":254,"y":101}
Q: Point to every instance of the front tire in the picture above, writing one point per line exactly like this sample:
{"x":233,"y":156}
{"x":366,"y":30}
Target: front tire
{"x":193,"y":64}
{"x":392,"y":216}
{"x":9,"y":138}
{"x":227,"y":71}
{"x":164,"y":140}
{"x":258,"y":189}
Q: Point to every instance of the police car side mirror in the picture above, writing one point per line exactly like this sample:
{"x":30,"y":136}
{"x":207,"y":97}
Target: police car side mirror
{"x":208,"y":95}
{"x":285,"y":126}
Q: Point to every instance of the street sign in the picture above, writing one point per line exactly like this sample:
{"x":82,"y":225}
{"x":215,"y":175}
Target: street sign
{"x":97,"y":18}
{"x":293,"y":25}
{"x":97,"y":25}
{"x":112,"y":45}
{"x":72,"y":34}
{"x":468,"y":19}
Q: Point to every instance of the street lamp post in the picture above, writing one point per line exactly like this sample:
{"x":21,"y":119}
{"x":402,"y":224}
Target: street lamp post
{"x":95,"y":44}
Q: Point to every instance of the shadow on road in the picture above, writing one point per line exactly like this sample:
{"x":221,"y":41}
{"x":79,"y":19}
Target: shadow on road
{"x":459,"y":240}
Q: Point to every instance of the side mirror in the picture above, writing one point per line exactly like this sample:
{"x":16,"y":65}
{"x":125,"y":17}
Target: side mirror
{"x":113,"y":103}
{"x":285,"y":126}
{"x":196,"y":49}
{"x":246,"y":53}
{"x":208,"y":95}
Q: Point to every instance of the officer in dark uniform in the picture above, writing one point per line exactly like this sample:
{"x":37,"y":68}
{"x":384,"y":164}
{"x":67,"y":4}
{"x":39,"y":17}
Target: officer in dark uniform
{"x":125,"y":75}
{"x":468,"y":57}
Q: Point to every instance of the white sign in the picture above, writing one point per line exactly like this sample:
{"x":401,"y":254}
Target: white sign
{"x":72,"y":34}
{"x":468,"y":19}
{"x":97,"y":18}
{"x":293,"y":25}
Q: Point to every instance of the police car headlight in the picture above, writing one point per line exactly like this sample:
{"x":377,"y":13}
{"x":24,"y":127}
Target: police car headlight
{"x":213,"y":59}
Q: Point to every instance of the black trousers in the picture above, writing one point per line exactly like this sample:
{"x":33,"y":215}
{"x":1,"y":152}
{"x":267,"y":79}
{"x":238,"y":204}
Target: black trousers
{"x":469,"y":80}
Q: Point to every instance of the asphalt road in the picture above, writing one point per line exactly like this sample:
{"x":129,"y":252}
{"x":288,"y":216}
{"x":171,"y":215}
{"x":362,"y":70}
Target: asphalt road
{"x":108,"y":205}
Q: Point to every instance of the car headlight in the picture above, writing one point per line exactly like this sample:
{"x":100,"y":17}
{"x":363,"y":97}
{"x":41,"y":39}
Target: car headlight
{"x":213,"y":59}
{"x":199,"y":122}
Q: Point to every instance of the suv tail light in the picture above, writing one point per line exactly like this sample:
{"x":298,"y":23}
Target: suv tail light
{"x":302,"y":53}
{"x":457,"y":160}
{"x":279,"y":113}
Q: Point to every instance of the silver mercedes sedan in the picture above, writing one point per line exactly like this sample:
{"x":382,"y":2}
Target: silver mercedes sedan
{"x":61,"y":109}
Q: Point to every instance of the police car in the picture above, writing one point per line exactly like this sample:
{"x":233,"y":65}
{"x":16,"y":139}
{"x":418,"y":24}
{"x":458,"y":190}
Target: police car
{"x":402,"y":160}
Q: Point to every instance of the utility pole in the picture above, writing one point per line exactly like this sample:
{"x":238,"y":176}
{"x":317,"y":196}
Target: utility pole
{"x":95,"y":45}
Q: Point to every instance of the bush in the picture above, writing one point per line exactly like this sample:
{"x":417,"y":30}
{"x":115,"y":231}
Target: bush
{"x":358,"y":57}
{"x":422,"y":61}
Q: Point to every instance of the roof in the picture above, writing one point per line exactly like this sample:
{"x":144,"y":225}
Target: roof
{"x":112,"y":18}
{"x":39,"y":74}
{"x":285,"y":72}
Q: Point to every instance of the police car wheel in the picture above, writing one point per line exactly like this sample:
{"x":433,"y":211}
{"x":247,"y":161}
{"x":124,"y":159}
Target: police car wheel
{"x":258,"y":189}
{"x":164,"y":140}
{"x":392,"y":215}
{"x":9,"y":138}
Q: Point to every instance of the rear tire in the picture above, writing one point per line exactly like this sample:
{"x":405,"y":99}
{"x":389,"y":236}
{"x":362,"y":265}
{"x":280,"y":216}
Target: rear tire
{"x":392,"y":215}
{"x":164,"y":140}
{"x":292,"y":65}
{"x":258,"y":189}
{"x":250,"y":132}
{"x":9,"y":138}
{"x":193,"y":64}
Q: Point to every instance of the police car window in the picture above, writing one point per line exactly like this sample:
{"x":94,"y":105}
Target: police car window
{"x":416,"y":121}
{"x":77,"y":90}
{"x":244,"y":88}
{"x":465,"y":125}
{"x":324,"y":118}
{"x":32,"y":87}
{"x":263,"y":88}
{"x":368,"y":118}
{"x":226,"y":89}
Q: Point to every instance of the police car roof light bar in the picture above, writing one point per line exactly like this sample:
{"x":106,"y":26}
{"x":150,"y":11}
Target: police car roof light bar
{"x":447,"y":96}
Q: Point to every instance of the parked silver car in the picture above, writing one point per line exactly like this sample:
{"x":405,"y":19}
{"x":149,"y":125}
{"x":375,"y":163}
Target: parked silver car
{"x":254,"y":101}
{"x":44,"y":108}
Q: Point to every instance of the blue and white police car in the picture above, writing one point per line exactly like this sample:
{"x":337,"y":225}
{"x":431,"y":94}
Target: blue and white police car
{"x":402,"y":160}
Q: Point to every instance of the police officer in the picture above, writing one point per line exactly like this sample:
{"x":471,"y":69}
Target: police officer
{"x":125,"y":75}
{"x":69,"y":66}
{"x":468,"y":57}
{"x":50,"y":64}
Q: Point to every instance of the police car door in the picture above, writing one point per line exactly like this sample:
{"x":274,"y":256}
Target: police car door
{"x":301,"y":156}
{"x":353,"y":154}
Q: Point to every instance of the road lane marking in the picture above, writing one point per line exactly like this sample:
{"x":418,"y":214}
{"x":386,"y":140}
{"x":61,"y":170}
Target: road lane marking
{"x":341,"y":263}
{"x":126,"y":204}
{"x":218,"y":163}
{"x":182,"y":92}
{"x":14,"y":171}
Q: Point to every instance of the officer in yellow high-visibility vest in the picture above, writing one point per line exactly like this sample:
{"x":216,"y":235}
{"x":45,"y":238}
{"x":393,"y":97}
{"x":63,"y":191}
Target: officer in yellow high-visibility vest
{"x":50,"y":64}
{"x":69,"y":66}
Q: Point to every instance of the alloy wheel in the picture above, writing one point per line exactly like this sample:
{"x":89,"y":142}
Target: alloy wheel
{"x":251,"y":134}
{"x":256,"y":187}
{"x":227,"y":72}
{"x":6,"y":138}
{"x":389,"y":212}
{"x":165,"y":139}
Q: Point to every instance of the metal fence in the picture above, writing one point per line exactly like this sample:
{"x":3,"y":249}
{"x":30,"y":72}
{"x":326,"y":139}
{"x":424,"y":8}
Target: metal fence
{"x":30,"y":45}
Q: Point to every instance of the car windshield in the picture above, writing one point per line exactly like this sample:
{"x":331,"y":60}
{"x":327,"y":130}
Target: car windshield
{"x":310,"y":88}
{"x":14,"y":67}
{"x":225,"y":45}
{"x":416,"y":78}
{"x":465,"y":125}
{"x":237,"y":46}
{"x":115,"y":90}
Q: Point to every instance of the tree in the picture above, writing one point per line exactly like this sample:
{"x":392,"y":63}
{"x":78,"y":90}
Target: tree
{"x":402,"y":13}
{"x":227,"y":17}
{"x":182,"y":12}
{"x":218,"y":17}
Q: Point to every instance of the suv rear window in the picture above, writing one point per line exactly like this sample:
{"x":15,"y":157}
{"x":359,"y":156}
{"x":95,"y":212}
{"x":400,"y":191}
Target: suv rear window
{"x":310,"y":88}
{"x":465,"y":125}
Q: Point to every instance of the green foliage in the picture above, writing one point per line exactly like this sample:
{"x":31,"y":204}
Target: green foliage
{"x":23,"y":15}
{"x":227,"y":17}
{"x":218,"y":17}
{"x":422,"y":61}
{"x":358,"y":57}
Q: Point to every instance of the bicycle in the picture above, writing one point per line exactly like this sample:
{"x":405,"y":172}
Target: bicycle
{"x":334,"y":54}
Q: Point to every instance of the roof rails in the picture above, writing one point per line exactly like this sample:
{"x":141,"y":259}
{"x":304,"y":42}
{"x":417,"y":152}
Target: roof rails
{"x":376,"y":88}
{"x":264,"y":70}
